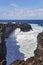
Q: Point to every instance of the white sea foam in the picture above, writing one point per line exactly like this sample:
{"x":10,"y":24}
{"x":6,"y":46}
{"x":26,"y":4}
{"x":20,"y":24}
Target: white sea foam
{"x":26,"y":41}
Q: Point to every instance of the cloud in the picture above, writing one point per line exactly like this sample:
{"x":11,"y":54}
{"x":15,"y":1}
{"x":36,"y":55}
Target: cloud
{"x":13,"y":5}
{"x":22,"y":14}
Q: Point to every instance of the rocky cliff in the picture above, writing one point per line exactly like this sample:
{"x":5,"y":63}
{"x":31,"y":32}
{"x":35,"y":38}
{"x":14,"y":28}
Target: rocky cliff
{"x":38,"y":57}
{"x":2,"y":47}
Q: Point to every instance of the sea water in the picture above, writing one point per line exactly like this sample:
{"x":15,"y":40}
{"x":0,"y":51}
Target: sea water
{"x":21,"y":45}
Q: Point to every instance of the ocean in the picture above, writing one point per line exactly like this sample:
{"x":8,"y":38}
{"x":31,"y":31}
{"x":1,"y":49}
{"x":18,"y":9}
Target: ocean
{"x":23,"y":21}
{"x":21,"y":45}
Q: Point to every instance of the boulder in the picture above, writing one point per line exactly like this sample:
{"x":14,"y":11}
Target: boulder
{"x":25,"y":27}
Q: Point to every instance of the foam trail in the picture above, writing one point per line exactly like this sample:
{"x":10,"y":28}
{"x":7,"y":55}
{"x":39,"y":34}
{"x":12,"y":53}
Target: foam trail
{"x":27,"y":42}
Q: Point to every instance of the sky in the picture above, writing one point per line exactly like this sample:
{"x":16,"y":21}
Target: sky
{"x":21,"y":9}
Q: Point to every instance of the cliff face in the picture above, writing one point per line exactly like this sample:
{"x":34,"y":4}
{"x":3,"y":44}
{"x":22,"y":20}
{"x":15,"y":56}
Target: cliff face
{"x":39,"y":50}
{"x":2,"y":47}
{"x":38,"y":57}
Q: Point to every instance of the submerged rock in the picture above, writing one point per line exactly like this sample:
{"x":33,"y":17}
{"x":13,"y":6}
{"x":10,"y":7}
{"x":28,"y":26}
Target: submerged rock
{"x":37,"y":59}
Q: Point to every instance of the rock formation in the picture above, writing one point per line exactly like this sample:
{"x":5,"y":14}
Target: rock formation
{"x":39,"y":50}
{"x":25,"y":27}
{"x":10,"y":27}
{"x":2,"y":47}
{"x":38,"y":57}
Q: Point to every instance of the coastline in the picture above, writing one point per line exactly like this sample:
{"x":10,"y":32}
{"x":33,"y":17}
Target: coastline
{"x":10,"y":29}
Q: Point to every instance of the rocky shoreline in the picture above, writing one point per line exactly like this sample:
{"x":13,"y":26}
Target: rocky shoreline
{"x":9,"y":27}
{"x":5,"y":31}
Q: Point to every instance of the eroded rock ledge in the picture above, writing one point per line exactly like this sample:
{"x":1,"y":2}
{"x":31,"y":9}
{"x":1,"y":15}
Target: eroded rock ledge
{"x":10,"y":27}
{"x":38,"y":57}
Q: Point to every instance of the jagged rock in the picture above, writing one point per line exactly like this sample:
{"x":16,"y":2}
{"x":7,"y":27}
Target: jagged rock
{"x":39,"y":50}
{"x":10,"y":27}
{"x":2,"y":46}
{"x":38,"y":57}
{"x":29,"y":60}
{"x":18,"y":62}
{"x":25,"y":27}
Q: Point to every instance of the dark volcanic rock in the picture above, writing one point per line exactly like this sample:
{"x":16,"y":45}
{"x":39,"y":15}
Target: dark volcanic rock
{"x":10,"y":27}
{"x":38,"y":57}
{"x":39,"y":50}
{"x":18,"y":62}
{"x":2,"y":46}
{"x":25,"y":27}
